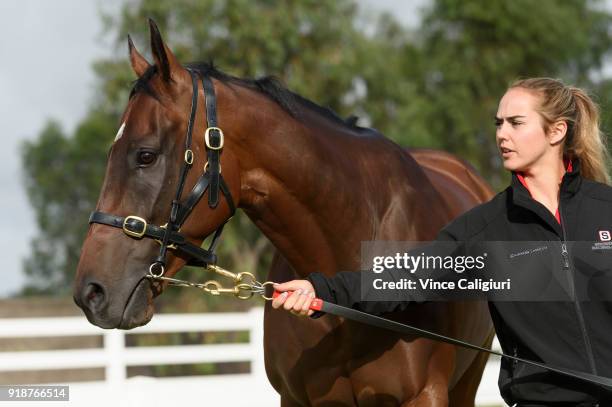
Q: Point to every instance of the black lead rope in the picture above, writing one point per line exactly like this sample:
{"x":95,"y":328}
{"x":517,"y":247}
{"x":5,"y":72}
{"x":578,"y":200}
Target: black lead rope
{"x":373,"y":320}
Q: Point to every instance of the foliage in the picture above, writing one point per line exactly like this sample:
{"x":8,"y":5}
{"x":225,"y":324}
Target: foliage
{"x":311,"y":46}
{"x":474,"y":49}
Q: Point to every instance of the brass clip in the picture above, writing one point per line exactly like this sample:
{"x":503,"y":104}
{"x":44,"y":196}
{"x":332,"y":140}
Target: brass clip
{"x":223,"y":272}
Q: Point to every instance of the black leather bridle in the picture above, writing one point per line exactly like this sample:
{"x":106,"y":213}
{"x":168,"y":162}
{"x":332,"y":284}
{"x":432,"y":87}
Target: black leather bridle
{"x":211,"y":180}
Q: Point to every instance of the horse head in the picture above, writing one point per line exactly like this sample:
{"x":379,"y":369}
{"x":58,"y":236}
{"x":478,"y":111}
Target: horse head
{"x":163,"y":171}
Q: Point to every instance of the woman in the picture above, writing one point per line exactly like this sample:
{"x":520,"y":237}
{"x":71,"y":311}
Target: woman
{"x":548,"y":136}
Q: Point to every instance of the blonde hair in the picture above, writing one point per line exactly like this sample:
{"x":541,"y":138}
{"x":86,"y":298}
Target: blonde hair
{"x":584,"y":139}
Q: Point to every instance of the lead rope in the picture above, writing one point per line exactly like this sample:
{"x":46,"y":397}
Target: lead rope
{"x":374,"y":320}
{"x":246,"y":285}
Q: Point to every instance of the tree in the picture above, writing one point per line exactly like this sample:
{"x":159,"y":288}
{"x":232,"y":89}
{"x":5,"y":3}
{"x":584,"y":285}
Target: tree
{"x":472,"y":50}
{"x":63,"y":177}
{"x":311,"y":46}
{"x":602,"y":94}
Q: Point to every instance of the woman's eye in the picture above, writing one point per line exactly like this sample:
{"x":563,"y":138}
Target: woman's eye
{"x":145,"y":158}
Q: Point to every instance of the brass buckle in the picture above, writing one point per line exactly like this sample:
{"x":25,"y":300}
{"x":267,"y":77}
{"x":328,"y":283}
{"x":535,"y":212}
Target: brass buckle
{"x":207,"y":138}
{"x":189,"y":157}
{"x":131,"y":232}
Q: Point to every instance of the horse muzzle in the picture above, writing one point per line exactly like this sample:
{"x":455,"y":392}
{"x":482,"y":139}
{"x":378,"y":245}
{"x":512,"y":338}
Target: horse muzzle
{"x":132,"y":309}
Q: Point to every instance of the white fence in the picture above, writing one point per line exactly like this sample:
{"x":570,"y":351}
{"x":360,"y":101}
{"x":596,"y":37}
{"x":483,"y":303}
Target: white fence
{"x":117,"y":390}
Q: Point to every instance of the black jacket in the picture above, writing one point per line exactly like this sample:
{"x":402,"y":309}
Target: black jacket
{"x":575,"y":334}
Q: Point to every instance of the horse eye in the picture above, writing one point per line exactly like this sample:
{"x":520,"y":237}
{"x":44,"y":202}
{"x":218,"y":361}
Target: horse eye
{"x":146,"y":158}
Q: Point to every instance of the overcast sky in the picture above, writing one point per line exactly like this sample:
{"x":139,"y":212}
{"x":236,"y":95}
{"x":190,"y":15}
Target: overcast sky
{"x":46,"y":52}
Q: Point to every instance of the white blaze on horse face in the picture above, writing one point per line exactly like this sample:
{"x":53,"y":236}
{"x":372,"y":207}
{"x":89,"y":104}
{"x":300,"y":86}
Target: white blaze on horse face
{"x":119,"y":132}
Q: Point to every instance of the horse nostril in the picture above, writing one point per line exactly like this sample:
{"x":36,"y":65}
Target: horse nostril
{"x":94,"y":296}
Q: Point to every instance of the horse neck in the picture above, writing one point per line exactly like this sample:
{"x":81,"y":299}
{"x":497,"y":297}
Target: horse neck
{"x":299,"y":184}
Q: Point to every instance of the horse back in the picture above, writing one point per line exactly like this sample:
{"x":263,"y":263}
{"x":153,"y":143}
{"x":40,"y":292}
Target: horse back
{"x":456,"y":181}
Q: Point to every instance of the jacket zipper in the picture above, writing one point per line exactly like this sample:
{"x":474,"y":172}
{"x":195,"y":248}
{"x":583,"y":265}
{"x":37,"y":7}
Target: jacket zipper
{"x":567,"y":266}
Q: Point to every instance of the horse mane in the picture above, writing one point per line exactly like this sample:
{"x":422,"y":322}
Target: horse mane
{"x":269,"y":86}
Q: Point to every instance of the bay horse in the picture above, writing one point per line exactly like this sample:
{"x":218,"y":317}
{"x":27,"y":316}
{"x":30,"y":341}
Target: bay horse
{"x":316,"y":186}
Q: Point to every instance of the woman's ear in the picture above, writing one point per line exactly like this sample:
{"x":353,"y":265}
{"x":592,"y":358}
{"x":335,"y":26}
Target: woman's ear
{"x":557,"y":132}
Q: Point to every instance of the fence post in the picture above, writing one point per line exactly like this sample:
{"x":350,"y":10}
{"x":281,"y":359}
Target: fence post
{"x":114,"y":345}
{"x":258,"y":368}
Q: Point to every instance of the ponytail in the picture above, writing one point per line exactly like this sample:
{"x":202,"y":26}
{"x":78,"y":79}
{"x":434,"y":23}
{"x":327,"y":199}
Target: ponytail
{"x":588,"y":143}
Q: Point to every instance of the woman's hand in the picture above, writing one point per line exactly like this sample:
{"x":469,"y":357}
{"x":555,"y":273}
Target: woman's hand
{"x":297,"y":302}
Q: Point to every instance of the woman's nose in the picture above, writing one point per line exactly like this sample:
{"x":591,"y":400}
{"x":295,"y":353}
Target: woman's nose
{"x":501,"y":132}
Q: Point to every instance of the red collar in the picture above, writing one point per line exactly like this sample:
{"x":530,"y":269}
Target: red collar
{"x":568,"y":168}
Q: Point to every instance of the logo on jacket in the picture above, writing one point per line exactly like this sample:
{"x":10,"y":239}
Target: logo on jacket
{"x":605,"y":236}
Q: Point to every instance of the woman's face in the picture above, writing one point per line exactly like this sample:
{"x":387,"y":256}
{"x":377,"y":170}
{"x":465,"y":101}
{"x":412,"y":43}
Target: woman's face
{"x":520,"y":136}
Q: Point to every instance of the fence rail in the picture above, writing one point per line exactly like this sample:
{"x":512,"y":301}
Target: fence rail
{"x":115,"y":357}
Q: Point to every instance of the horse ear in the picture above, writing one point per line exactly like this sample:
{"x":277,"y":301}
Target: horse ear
{"x":164,"y":58}
{"x":138,"y":62}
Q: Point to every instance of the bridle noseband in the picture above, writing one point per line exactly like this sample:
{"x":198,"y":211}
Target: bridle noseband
{"x":211,"y":180}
